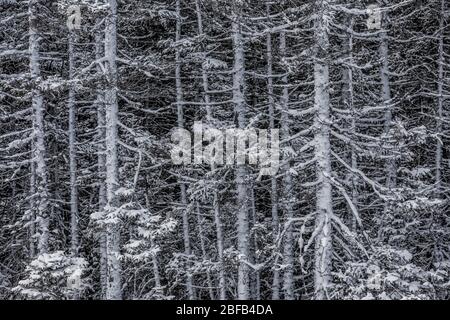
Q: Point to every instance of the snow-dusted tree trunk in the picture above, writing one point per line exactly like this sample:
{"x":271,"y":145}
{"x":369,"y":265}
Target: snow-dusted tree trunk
{"x":255,"y":288}
{"x":200,"y":223}
{"x":72,"y":151}
{"x":180,"y":117}
{"x":324,"y":205}
{"x":273,"y":182}
{"x":205,"y":82}
{"x":155,"y":265}
{"x":219,"y":235}
{"x":216,"y":208}
{"x":114,"y":281}
{"x":32,"y":231}
{"x":39,"y":148}
{"x":287,"y":187}
{"x":241,"y":171}
{"x":440,"y":106}
{"x":101,"y":161}
{"x":386,"y":100}
{"x":348,"y":101}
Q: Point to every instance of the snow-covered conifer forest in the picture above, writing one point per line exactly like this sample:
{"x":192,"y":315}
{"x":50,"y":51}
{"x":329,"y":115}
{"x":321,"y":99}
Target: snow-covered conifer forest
{"x":93,"y":207}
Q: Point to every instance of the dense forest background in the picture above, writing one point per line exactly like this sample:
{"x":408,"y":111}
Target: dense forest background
{"x":92,"y":207}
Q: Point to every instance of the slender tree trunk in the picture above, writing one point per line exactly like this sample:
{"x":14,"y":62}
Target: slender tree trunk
{"x":209,"y":115}
{"x":205,"y":81}
{"x":101,"y":163}
{"x":32,"y":209}
{"x":241,"y":171}
{"x":184,"y":203}
{"x":114,"y":281}
{"x":39,"y":150}
{"x":386,"y":99}
{"x":200,"y":223}
{"x":273,"y":180}
{"x":155,"y":269}
{"x":348,"y":101}
{"x":287,"y":187}
{"x":256,"y":276}
{"x":324,"y":209}
{"x":219,"y":235}
{"x":155,"y":265}
{"x":73,"y":151}
{"x":440,"y":114}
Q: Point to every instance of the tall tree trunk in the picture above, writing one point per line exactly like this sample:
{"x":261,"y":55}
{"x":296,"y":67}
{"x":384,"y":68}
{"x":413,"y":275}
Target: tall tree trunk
{"x":39,"y":147}
{"x":180,"y":115}
{"x":73,"y":151}
{"x":440,"y":111}
{"x":324,"y":209}
{"x":390,"y":166}
{"x":273,"y":180}
{"x":101,"y":163}
{"x":114,"y":281}
{"x":287,"y":187}
{"x":348,"y":101}
{"x":386,"y":100}
{"x":209,"y":116}
{"x":241,"y":170}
